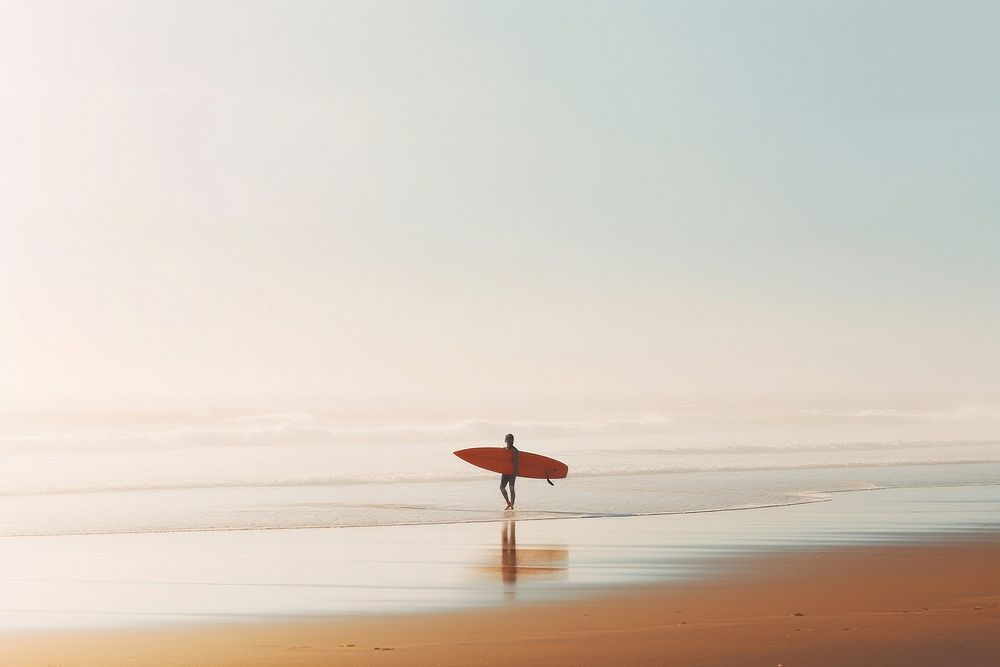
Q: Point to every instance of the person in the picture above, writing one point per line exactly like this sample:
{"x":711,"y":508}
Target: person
{"x":509,"y":479}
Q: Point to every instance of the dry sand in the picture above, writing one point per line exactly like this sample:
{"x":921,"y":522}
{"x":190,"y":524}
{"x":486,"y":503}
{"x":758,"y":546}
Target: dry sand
{"x":935,"y":603}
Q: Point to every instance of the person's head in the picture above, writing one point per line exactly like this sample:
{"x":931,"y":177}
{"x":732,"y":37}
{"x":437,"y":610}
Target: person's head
{"x":509,"y":439}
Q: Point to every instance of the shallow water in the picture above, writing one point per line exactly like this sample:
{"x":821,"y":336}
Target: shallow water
{"x":196,"y":577}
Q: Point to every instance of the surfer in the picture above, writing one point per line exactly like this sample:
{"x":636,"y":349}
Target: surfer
{"x":509,"y":479}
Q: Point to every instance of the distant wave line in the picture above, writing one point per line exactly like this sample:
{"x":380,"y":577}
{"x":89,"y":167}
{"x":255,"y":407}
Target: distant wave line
{"x":277,"y":428}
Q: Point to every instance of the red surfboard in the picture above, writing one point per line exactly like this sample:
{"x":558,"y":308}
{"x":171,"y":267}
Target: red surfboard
{"x":498,"y":459}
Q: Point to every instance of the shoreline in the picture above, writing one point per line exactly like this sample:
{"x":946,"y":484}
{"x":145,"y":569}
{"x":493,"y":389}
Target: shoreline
{"x":237,"y":507}
{"x":866,"y":604}
{"x":814,"y":497}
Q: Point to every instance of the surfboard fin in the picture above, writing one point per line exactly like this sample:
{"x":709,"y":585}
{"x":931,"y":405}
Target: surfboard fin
{"x":548,"y":480}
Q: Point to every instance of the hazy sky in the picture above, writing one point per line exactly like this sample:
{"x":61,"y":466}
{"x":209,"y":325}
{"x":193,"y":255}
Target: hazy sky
{"x":238,"y":202}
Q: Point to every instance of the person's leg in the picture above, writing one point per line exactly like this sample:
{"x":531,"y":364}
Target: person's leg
{"x":503,"y":488}
{"x":512,"y":495}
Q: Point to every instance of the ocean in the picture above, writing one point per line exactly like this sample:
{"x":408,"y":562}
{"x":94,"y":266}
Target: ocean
{"x":219,"y":470}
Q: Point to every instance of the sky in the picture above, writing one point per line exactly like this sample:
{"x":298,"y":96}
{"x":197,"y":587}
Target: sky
{"x":273,"y":203}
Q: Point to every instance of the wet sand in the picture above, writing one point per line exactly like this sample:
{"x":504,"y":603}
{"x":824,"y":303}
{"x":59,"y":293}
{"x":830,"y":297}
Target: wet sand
{"x":931,"y":603}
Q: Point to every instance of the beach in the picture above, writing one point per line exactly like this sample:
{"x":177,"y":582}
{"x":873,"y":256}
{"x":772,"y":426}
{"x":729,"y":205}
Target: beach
{"x":859,"y":606}
{"x":270,"y":537}
{"x":897,"y":576}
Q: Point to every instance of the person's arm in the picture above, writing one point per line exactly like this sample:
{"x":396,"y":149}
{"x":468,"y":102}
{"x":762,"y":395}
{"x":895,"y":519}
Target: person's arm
{"x":515,"y":462}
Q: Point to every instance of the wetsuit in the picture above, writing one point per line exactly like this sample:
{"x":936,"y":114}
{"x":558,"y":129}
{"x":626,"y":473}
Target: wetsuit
{"x":509,"y":479}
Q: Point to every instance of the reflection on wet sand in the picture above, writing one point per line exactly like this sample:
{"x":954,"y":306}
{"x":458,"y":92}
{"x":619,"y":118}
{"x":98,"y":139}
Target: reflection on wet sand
{"x":525,"y":561}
